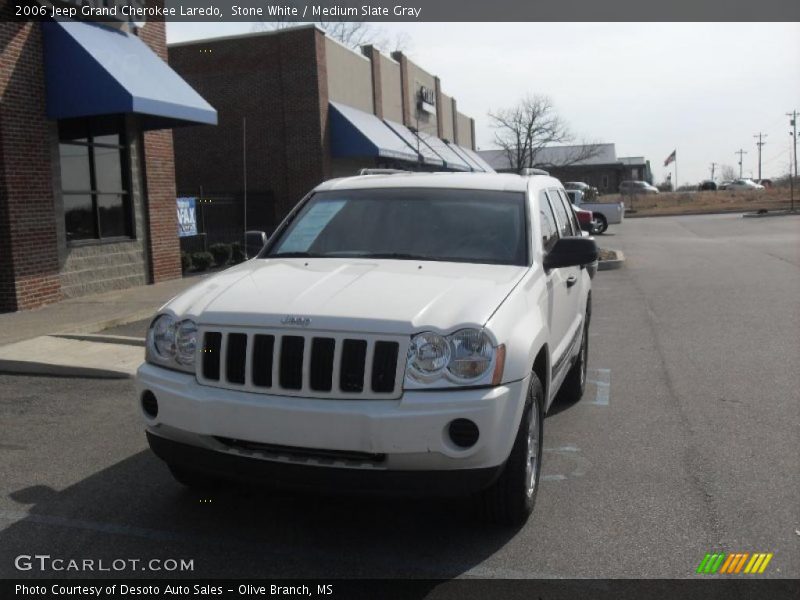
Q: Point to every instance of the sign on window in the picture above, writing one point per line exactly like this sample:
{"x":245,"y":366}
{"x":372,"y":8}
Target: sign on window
{"x":187,"y":217}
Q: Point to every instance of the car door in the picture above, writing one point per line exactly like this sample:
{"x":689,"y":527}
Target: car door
{"x":573,"y":282}
{"x":558,"y":311}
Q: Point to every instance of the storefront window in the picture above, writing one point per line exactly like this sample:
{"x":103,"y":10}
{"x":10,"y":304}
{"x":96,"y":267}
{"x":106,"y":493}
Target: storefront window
{"x":94,"y":180}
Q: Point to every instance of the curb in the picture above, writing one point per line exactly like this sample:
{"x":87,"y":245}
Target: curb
{"x":610,"y":265}
{"x":777,"y":213}
{"x":22,"y":367}
{"x":105,"y":339}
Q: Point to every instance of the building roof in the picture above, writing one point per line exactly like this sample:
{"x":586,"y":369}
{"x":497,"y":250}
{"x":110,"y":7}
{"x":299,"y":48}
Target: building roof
{"x":556,"y":156}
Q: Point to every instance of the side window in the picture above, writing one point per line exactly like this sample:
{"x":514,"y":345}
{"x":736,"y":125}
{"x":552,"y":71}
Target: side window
{"x":564,"y":227}
{"x":548,"y":223}
{"x":573,"y":218}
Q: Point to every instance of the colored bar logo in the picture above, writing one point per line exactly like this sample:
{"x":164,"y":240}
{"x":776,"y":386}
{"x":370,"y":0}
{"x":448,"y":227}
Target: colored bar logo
{"x":734,"y":563}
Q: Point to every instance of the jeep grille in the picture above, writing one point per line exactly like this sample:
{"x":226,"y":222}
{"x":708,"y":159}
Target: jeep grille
{"x":307,"y":364}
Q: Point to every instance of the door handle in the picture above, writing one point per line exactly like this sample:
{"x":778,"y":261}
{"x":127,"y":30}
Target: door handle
{"x":571,"y":280}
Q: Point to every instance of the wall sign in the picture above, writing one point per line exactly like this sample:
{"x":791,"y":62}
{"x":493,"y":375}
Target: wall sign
{"x":426,"y":99}
{"x":187,"y":217}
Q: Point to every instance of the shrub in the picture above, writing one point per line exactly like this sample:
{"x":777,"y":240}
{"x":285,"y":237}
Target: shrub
{"x":237,"y":254}
{"x":202,"y":260}
{"x":221,"y":254}
{"x":186,"y":261}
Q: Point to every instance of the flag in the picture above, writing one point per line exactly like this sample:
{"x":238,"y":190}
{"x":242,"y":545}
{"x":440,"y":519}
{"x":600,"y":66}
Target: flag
{"x":670,"y":158}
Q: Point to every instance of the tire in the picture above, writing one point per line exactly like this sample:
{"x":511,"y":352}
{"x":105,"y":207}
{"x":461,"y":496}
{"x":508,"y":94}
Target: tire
{"x":193,"y":479}
{"x":510,"y":500}
{"x":575,"y":382}
{"x":602,"y":223}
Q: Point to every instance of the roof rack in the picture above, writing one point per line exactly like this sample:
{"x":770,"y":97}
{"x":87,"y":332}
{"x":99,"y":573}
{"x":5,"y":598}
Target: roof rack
{"x":531,"y":171}
{"x":382,"y":171}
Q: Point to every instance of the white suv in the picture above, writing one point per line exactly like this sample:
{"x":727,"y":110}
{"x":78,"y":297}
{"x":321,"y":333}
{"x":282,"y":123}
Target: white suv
{"x":400,"y":333}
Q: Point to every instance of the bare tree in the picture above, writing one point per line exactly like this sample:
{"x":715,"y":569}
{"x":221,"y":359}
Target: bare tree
{"x":728,"y":173}
{"x":352,"y":34}
{"x":532,"y":125}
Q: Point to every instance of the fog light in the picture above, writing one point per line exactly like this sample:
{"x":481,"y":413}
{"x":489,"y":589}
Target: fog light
{"x":463,"y":432}
{"x":149,"y":404}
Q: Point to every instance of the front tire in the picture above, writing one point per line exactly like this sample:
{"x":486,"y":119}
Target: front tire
{"x":510,"y":500}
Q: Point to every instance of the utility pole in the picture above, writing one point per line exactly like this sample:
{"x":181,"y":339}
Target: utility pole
{"x":759,"y":143}
{"x":713,"y":168}
{"x":793,"y":133}
{"x":740,"y":152}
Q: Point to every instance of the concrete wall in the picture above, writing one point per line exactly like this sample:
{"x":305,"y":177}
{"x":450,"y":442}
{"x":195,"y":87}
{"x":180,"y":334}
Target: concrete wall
{"x":445,"y":110}
{"x":391,"y":90}
{"x":349,"y":77}
{"x":465,"y":131}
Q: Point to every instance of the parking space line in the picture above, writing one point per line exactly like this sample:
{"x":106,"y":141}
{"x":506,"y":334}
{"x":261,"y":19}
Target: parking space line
{"x":602,"y":382}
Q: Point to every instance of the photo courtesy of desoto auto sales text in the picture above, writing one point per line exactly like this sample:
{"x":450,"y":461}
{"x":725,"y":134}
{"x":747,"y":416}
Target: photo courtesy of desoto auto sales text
{"x":399,"y":300}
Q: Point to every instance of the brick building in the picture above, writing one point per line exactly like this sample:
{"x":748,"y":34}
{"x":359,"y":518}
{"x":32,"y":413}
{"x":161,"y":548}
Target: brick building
{"x":87,"y":188}
{"x":299,"y":108}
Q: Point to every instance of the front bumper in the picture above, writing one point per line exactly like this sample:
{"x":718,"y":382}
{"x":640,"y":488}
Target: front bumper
{"x":409,"y":434}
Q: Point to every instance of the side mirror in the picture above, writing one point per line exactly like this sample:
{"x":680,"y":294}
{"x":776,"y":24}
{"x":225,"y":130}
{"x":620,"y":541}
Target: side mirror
{"x":571,"y":252}
{"x":254,"y":242}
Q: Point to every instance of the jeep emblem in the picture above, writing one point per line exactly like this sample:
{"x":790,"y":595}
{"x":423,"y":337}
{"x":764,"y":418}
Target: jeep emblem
{"x":296,"y":321}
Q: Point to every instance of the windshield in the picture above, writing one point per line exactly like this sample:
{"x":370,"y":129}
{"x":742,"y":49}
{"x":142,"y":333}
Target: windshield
{"x":479,"y":226}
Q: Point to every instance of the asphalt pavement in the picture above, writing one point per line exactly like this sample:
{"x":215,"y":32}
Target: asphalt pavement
{"x":686,"y":442}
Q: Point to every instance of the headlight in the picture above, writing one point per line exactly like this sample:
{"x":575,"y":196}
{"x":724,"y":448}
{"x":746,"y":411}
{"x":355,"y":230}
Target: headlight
{"x":463,"y":357}
{"x":162,"y":336}
{"x":471,"y":354}
{"x":172,"y":343}
{"x":428,"y":356}
{"x":186,"y":342}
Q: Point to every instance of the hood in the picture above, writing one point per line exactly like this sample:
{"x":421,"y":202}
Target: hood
{"x":374,"y":296}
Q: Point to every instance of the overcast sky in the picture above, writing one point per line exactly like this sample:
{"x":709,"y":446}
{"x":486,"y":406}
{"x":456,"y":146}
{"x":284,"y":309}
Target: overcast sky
{"x":703,"y":89}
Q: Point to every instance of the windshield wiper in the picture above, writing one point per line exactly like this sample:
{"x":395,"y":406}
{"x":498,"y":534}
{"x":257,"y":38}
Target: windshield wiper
{"x":295,"y":255}
{"x":396,"y":255}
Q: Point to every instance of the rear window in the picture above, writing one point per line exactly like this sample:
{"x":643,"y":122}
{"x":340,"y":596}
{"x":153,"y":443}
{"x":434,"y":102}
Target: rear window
{"x":479,"y":226}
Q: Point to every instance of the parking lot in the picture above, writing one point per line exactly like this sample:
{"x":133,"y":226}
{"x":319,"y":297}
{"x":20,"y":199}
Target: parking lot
{"x":685,"y":442}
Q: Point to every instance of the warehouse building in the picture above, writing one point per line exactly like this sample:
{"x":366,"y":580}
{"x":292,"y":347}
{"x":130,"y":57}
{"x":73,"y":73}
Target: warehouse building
{"x":87,"y":188}
{"x":598,"y":165}
{"x":296,"y":108}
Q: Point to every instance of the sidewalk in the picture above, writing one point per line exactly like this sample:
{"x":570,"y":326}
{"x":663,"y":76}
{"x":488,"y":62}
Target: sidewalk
{"x":90,"y":314}
{"x":57,"y":339}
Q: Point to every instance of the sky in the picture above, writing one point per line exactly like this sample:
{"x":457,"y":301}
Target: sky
{"x":703,"y":89}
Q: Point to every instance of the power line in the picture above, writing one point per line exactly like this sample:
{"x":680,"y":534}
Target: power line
{"x":759,"y":143}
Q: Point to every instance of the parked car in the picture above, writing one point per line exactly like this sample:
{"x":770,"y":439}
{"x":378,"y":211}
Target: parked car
{"x":590,"y":192}
{"x":744,"y":185}
{"x":767,"y":183}
{"x":707,"y":185}
{"x":637,"y":187}
{"x":402,"y":333}
{"x":724,"y":185}
{"x":603,"y":213}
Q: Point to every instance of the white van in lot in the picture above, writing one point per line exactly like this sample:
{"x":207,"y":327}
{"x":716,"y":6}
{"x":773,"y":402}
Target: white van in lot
{"x":400,"y":333}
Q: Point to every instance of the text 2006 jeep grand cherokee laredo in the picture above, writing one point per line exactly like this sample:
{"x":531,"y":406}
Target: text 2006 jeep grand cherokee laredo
{"x":401,"y":332}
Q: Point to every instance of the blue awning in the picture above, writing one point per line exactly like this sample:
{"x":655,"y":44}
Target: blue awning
{"x":93,"y":70}
{"x":452,"y":160}
{"x":428,"y":156}
{"x":355,"y":133}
